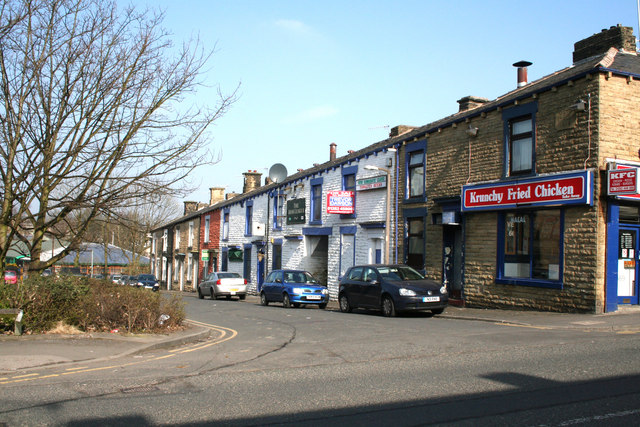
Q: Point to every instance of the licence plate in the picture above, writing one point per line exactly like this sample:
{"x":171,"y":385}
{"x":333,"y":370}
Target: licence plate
{"x":316,"y":297}
{"x":430,"y":299}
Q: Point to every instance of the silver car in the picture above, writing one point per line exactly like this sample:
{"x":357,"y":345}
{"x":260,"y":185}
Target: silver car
{"x":223,"y":284}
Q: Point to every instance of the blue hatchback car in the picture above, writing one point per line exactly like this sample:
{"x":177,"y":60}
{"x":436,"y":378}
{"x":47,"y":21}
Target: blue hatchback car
{"x":293,"y":288}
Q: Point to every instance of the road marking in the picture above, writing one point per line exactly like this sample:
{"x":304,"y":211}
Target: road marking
{"x":522,"y":326}
{"x":226,"y":334}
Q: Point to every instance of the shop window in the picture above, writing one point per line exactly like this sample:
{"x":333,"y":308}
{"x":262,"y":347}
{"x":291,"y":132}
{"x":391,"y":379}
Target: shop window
{"x":316,"y":202}
{"x":531,"y":249}
{"x":415,"y":243}
{"x":629,"y":214}
{"x":520,"y":142}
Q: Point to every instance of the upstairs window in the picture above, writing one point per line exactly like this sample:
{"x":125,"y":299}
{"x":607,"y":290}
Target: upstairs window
{"x":225,"y":225}
{"x":177,"y":237}
{"x":349,"y":184}
{"x":316,"y":201}
{"x":278,"y":211}
{"x":415,"y":159}
{"x":207,"y":226}
{"x":521,"y":146}
{"x":520,"y":140}
{"x":248,"y":219}
{"x":191,"y":228}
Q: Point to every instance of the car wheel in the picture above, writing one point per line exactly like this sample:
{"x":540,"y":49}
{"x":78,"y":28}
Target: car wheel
{"x":344,"y":304}
{"x":200,"y":296}
{"x":263,"y":299}
{"x":243,"y":297}
{"x":286,"y":302}
{"x":213,"y":295}
{"x":437,"y":310}
{"x":322,"y":306}
{"x":388,"y":308}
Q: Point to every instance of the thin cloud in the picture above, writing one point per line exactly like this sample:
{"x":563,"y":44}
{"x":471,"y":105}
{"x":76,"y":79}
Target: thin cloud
{"x":312,"y":114}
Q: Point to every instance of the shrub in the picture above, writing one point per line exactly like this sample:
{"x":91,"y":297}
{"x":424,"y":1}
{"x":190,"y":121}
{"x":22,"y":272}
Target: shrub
{"x":91,"y":305}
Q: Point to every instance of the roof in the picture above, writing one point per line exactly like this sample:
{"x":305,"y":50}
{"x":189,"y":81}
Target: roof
{"x":614,"y":60}
{"x":94,"y":253}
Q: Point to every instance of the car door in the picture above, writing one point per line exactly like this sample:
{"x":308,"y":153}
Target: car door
{"x":353,"y":286}
{"x":206,"y":285}
{"x":371,"y":288}
{"x":272,"y":285}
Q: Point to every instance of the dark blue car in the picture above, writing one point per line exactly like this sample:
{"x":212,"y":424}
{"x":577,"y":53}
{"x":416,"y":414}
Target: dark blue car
{"x":147,"y":281}
{"x":293,"y":288}
{"x":390,"y":289}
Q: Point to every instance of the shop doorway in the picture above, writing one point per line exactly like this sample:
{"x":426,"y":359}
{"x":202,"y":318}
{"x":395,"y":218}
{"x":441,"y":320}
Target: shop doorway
{"x":452,"y":261}
{"x":628,"y":238}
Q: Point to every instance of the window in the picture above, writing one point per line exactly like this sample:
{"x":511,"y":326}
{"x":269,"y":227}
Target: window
{"x":519,"y":136}
{"x":277,"y":257}
{"x":278,"y":211}
{"x":415,"y":166}
{"x":415,"y":243}
{"x":165,"y":237}
{"x":225,"y":225}
{"x":224,"y":260}
{"x":191,"y":228}
{"x":189,"y":266}
{"x":177,"y":237}
{"x":207,"y":226}
{"x":316,"y":201}
{"x":532,"y":249}
{"x":248,"y":219}
{"x":247,"y":263}
{"x":349,"y":184}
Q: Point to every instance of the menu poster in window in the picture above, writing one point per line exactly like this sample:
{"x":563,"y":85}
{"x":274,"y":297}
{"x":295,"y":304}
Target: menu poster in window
{"x":627,"y":244}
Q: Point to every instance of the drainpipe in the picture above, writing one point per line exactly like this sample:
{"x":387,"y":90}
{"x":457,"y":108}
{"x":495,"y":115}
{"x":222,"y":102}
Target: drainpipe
{"x":397,"y":193}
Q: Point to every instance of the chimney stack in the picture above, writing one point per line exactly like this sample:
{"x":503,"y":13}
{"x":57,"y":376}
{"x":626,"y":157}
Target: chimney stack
{"x":618,"y":37}
{"x":252,"y":180}
{"x":190,"y":207}
{"x":332,"y":151}
{"x":522,"y":72}
{"x":470,"y":102}
{"x":400,"y":130}
{"x":216,"y":195}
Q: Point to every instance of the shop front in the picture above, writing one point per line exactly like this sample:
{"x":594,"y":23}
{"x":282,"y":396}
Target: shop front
{"x":623,"y":234}
{"x":537,"y":222}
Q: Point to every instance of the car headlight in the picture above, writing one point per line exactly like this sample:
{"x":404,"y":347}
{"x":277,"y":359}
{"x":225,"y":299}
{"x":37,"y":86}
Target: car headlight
{"x":443,"y":289}
{"x":140,"y":284}
{"x":325,"y":291}
{"x":297,"y":290}
{"x":407,"y":292}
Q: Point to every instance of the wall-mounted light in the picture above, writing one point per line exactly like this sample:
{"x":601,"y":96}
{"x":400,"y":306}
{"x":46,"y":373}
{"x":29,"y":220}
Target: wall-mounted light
{"x":579,"y":106}
{"x":472,"y":131}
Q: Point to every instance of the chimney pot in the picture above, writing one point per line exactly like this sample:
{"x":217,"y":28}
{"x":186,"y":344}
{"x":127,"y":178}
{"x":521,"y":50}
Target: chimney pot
{"x":332,"y":151}
{"x":522,"y":72}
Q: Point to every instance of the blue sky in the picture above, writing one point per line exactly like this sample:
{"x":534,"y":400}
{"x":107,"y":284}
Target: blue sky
{"x":316,"y":72}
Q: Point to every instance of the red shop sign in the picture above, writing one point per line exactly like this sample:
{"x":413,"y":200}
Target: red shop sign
{"x":572,"y":188}
{"x":340,"y":202}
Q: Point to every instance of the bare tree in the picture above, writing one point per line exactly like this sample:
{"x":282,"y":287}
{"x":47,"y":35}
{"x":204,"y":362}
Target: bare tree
{"x":92,"y":117}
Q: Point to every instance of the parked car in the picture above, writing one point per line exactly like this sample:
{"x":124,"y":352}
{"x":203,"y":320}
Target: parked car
{"x":116,"y":278}
{"x":390,"y":288}
{"x":293,"y":288}
{"x":11,"y":277}
{"x":223,"y":284}
{"x":147,"y":281}
{"x":132,"y":280}
{"x":124,"y":280}
{"x":46,"y":272}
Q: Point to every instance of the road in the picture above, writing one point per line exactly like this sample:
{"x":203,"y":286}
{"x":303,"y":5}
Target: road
{"x":276,"y":366}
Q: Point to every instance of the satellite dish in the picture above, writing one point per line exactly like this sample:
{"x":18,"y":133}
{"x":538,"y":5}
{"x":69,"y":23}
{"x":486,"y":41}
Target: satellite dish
{"x":277,"y":172}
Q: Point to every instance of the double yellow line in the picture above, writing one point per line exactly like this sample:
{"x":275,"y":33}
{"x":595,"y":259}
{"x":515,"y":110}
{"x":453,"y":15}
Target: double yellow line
{"x":225,"y":334}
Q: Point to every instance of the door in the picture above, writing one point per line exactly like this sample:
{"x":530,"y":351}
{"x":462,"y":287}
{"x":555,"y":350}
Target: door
{"x":260,"y":271}
{"x":628,"y":264}
{"x":452,"y":260}
{"x":371,"y":288}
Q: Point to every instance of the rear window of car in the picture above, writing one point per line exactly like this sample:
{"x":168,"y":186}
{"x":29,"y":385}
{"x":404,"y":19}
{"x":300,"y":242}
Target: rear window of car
{"x":10,"y":274}
{"x":228,"y":275}
{"x":146,"y":277}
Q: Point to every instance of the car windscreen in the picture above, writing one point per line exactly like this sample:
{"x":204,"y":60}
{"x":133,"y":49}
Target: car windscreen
{"x":146,"y":277}
{"x":228,"y":275}
{"x":400,"y":273}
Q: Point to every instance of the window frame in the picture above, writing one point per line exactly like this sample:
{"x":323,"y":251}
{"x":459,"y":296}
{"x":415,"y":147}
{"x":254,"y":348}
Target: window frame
{"x":509,"y":117}
{"x":278,"y":209}
{"x":225,"y":224}
{"x":315,"y":183}
{"x":248,"y":224}
{"x":418,"y":147}
{"x":207,"y":228}
{"x":349,"y":172}
{"x":502,"y":256}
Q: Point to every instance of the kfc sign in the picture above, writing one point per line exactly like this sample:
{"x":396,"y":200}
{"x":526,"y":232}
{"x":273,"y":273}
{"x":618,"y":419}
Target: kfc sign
{"x":565,"y":189}
{"x":622,"y":181}
{"x":340,"y":202}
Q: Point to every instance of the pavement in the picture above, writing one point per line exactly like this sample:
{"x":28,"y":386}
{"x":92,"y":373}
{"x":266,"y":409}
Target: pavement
{"x":33,"y":351}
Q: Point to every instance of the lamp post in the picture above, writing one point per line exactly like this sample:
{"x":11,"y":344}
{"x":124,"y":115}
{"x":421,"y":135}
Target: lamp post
{"x":387,"y":225}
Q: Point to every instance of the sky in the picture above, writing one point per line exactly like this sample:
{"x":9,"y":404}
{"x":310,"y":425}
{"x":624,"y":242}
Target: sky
{"x":315,"y":72}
